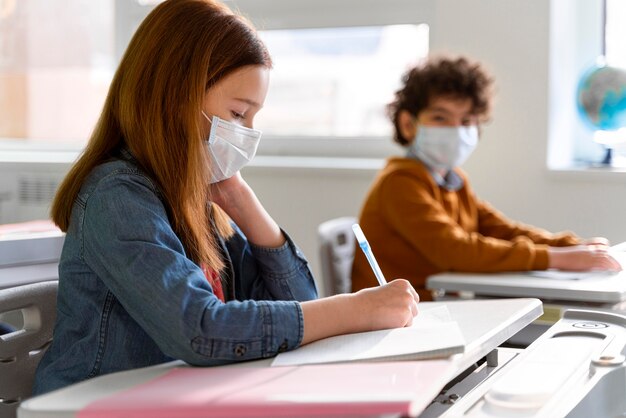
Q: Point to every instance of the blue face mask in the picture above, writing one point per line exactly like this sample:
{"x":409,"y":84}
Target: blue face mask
{"x":443,"y":148}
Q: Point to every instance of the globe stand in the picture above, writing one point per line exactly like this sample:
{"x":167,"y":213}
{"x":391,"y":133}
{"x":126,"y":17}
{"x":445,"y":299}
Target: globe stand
{"x":608,"y":158}
{"x":614,"y":143}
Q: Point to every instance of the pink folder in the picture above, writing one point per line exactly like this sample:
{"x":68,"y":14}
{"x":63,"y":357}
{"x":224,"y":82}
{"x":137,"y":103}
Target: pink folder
{"x":356,"y":389}
{"x":28,"y":227}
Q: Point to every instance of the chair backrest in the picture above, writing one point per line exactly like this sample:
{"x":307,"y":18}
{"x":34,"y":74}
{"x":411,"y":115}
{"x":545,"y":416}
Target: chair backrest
{"x":21,"y":351}
{"x":337,"y":245}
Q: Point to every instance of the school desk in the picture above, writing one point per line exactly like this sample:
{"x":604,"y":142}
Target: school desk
{"x":485,"y":324}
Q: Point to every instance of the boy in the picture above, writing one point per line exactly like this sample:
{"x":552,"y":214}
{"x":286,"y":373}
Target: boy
{"x":421,"y":216}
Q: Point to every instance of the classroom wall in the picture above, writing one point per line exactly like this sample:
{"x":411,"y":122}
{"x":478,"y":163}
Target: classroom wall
{"x":512,"y":38}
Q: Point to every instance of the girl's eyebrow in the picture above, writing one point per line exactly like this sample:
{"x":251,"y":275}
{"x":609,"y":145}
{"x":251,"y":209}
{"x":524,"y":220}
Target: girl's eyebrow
{"x":250,"y":102}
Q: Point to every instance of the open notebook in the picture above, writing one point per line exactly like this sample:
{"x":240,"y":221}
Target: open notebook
{"x":432,"y":335}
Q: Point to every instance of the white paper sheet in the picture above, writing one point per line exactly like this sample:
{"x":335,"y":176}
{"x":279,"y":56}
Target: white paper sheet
{"x":432,"y":335}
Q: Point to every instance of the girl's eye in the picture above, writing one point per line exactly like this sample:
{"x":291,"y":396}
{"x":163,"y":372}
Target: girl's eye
{"x":236,"y":115}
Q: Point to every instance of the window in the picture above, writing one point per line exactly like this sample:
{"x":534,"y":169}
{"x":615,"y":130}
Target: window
{"x":56,"y":63}
{"x":334,"y":70}
{"x":601,"y":40}
{"x":615,"y":33}
{"x":336,"y":81}
{"x":615,"y":56}
{"x":576,"y":43}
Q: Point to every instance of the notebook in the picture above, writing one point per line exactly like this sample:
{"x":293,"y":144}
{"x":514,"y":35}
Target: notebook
{"x":432,"y":335}
{"x":357,"y":389}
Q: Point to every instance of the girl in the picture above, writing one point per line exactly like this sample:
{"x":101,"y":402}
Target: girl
{"x":168,"y":253}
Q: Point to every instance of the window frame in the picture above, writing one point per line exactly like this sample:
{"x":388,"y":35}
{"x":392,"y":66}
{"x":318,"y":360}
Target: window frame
{"x":577,"y":40}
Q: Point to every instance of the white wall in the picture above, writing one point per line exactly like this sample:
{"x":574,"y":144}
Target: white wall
{"x":301,"y":199}
{"x":512,"y":38}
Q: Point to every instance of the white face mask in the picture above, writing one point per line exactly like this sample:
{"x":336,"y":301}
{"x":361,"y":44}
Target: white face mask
{"x":232,"y":146}
{"x":444,"y":147}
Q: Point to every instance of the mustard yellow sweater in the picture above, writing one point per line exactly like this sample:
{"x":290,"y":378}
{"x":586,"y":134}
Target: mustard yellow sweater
{"x":417,"y":228}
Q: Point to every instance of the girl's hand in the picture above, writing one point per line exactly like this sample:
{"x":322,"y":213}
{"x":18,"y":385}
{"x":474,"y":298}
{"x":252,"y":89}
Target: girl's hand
{"x":228,"y":193}
{"x":240,"y":203}
{"x":390,"y":306}
{"x":393,"y":305}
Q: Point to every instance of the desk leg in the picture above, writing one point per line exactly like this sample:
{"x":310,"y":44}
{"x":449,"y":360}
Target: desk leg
{"x":492,"y":358}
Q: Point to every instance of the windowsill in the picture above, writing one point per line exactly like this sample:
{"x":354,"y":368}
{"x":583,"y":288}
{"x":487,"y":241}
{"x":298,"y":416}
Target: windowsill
{"x":65,"y":155}
{"x":43,"y":157}
{"x":278,"y":162}
{"x":32,"y":151}
{"x":317,"y":163}
{"x":308,"y":153}
{"x":601,"y":174}
{"x":372,"y":158}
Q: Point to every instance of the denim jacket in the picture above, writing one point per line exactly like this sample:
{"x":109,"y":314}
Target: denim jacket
{"x":129,"y":297}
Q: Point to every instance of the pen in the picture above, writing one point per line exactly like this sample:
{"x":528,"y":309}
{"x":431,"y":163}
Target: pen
{"x":365,"y":246}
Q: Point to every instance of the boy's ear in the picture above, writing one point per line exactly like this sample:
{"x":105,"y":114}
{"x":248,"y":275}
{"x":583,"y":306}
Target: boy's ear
{"x":407,"y":124}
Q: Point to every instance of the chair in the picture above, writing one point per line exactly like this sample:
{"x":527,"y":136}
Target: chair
{"x":337,"y":245}
{"x":21,"y":351}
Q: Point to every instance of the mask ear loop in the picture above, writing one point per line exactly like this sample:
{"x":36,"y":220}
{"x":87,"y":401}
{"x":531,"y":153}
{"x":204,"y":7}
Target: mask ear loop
{"x":213,"y":126}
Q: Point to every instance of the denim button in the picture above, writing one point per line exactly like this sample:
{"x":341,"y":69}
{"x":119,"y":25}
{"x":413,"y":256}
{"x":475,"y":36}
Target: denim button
{"x":240,"y":350}
{"x":283,"y":347}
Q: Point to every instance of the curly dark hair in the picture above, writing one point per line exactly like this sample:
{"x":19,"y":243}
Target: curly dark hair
{"x":436,"y":77}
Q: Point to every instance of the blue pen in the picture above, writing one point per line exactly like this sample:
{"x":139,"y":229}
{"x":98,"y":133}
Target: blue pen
{"x":365,"y":246}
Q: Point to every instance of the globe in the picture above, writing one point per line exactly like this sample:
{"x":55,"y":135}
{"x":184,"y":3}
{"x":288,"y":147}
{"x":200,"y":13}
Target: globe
{"x":601,"y":97}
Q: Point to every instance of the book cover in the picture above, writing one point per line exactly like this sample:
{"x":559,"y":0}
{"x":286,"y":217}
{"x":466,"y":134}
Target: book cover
{"x":359,"y":389}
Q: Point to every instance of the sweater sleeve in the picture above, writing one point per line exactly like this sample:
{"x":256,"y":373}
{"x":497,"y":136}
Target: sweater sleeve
{"x":493,"y":223}
{"x":409,"y":205}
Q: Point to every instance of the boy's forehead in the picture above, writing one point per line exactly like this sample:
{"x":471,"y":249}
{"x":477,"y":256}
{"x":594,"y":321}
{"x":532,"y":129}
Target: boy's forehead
{"x":450,"y":104}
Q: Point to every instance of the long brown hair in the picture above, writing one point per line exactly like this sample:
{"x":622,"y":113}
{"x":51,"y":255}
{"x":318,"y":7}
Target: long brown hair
{"x":180,"y":50}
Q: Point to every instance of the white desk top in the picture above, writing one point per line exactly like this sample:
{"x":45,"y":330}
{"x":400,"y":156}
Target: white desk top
{"x":29,"y":257}
{"x":19,"y":275}
{"x":485,"y":325}
{"x":24,"y":248}
{"x":603,"y":288}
